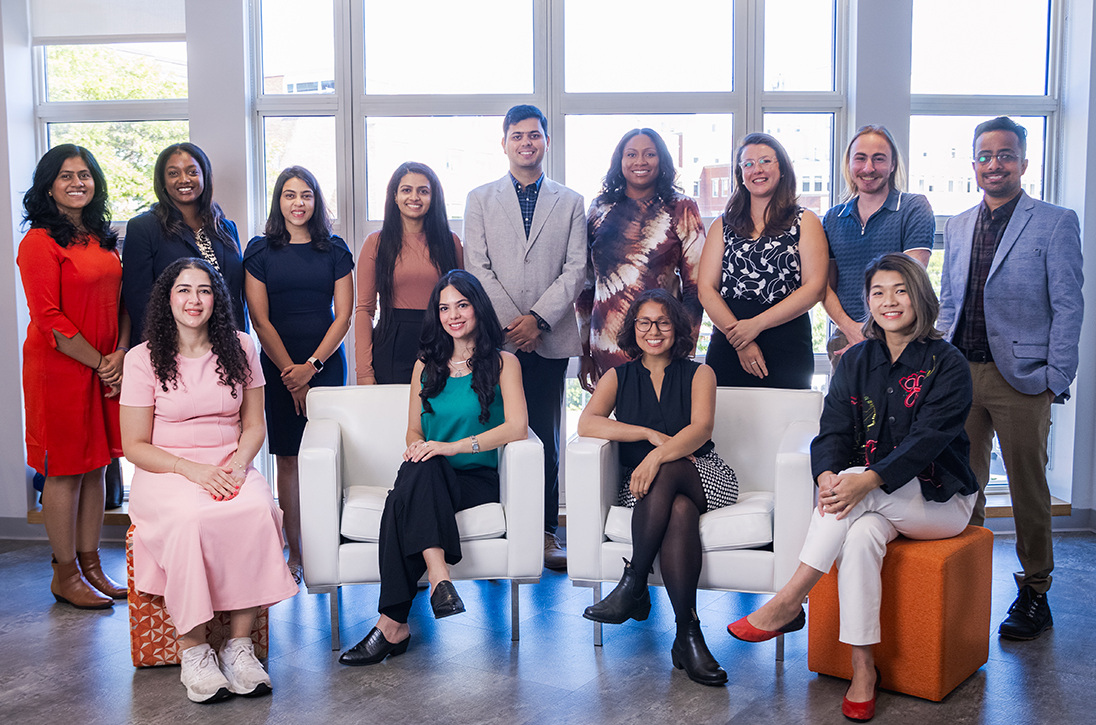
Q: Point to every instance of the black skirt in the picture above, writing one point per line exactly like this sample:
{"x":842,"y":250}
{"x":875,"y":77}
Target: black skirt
{"x":789,"y":355}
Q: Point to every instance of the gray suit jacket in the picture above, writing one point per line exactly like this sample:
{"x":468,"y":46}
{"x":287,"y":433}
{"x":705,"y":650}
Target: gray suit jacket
{"x":543,"y":273}
{"x":1032,"y":299}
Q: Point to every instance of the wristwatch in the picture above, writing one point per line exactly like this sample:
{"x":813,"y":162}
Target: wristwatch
{"x":316,"y":363}
{"x":542,"y":324}
{"x":475,"y":445}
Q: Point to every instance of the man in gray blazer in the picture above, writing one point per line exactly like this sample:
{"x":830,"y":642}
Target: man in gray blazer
{"x":525,"y":240}
{"x":1011,"y":302}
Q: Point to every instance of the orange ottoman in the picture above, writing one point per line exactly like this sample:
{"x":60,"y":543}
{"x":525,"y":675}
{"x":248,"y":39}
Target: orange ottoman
{"x":152,"y":636}
{"x":935,"y":616}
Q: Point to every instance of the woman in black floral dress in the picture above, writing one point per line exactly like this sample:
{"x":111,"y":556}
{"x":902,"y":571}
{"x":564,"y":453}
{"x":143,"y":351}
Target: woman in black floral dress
{"x":763,"y":267}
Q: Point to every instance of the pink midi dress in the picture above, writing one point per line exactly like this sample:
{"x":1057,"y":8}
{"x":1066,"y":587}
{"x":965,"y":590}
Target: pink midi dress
{"x":202,"y":555}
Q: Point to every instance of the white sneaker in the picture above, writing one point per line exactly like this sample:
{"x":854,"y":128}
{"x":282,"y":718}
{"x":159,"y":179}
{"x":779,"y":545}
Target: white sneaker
{"x":242,"y":669}
{"x":202,"y":675}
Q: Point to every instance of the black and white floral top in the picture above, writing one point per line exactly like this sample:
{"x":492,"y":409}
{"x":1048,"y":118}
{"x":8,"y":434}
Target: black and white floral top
{"x":766,"y":269}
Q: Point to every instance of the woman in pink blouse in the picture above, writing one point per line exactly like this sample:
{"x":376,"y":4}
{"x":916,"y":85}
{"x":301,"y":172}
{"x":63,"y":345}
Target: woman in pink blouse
{"x":399,"y":265}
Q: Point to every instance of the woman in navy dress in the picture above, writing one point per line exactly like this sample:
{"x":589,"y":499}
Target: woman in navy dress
{"x":300,"y":294}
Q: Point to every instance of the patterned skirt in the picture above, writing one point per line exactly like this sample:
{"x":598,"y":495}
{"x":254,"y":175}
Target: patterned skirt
{"x":720,"y":483}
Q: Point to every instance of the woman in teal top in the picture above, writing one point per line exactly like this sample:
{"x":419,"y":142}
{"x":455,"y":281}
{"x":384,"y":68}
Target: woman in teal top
{"x":466,"y":402}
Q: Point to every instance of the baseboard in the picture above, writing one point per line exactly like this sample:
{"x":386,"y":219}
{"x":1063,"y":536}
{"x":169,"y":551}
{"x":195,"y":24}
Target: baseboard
{"x":14,"y":527}
{"x":1078,"y":520}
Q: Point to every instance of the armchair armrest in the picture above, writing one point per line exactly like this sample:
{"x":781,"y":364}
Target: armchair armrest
{"x":593,"y":479}
{"x":793,"y":498}
{"x":521,"y":492}
{"x":319,"y":464}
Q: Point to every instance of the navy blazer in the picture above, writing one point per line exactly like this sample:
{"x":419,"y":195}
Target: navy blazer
{"x":147,"y":251}
{"x":1032,"y":299}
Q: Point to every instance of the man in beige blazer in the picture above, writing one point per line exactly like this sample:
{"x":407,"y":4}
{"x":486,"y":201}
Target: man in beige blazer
{"x":525,"y":240}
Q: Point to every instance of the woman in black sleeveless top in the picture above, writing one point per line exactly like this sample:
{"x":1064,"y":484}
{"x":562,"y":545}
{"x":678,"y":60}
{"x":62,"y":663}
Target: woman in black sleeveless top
{"x":665,"y":410}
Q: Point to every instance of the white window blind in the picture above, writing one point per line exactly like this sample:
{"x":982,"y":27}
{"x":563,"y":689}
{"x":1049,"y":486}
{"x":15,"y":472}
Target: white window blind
{"x":63,"y":22}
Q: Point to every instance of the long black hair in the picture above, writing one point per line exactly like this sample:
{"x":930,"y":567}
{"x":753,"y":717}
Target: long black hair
{"x":439,"y":238}
{"x":209,"y":212}
{"x":40,"y":210}
{"x":319,"y":226}
{"x":614,"y":187}
{"x":436,"y":344}
{"x":163,"y":332}
{"x":781,"y":212}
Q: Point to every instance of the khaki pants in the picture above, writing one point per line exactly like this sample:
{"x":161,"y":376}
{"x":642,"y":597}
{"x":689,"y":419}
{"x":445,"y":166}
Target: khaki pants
{"x":1022,"y":423}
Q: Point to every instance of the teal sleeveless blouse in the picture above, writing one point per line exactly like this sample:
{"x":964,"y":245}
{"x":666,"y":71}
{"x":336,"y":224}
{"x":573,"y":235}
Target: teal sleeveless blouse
{"x":456,"y":416}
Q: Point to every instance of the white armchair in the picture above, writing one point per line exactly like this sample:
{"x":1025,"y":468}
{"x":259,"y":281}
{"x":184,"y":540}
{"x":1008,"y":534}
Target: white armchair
{"x":753,"y":546}
{"x":348,"y":461}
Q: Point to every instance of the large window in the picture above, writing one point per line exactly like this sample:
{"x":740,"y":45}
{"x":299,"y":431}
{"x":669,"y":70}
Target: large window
{"x":122,"y":101}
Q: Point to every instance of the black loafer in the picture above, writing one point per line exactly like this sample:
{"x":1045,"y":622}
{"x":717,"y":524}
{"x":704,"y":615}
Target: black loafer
{"x":373,"y":649}
{"x":445,"y":601}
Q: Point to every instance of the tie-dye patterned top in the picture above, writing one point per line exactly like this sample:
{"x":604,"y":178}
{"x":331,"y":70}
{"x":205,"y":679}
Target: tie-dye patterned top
{"x":634,"y":246}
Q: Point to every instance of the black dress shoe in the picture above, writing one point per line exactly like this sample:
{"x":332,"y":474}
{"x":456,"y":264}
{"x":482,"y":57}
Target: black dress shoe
{"x":373,"y":649}
{"x":629,"y":600}
{"x":691,"y":654}
{"x":1028,"y":617}
{"x":445,"y":601}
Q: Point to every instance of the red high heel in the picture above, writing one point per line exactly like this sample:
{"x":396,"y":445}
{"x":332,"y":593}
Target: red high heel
{"x":860,"y":711}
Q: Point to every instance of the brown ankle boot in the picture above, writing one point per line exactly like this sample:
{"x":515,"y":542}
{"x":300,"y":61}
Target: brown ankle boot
{"x":93,"y":572}
{"x":71,"y":588}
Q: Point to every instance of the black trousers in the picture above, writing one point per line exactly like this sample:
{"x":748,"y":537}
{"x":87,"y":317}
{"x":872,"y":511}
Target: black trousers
{"x":543,"y":380}
{"x":419,"y":514}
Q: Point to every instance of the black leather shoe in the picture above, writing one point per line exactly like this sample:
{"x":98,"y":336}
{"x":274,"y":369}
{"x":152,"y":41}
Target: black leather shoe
{"x":629,"y":600}
{"x":1028,"y":617}
{"x":691,"y":654}
{"x":373,"y":649}
{"x":445,"y":601}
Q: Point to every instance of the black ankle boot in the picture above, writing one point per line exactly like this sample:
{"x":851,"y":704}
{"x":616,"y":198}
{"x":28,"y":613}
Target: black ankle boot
{"x":691,"y":654}
{"x":630,"y":600}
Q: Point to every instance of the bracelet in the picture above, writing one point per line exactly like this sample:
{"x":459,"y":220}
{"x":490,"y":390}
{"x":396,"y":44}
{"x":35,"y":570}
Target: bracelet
{"x":100,"y":362}
{"x":123,"y":348}
{"x":176,"y":464}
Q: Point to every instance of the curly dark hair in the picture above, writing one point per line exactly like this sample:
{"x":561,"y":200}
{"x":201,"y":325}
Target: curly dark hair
{"x":163,"y":332}
{"x":439,"y":238}
{"x":613,"y":187}
{"x":40,"y":210}
{"x":781,"y":212}
{"x":319,"y":225}
{"x":683,"y":326}
{"x":209,"y":212}
{"x":436,"y":344}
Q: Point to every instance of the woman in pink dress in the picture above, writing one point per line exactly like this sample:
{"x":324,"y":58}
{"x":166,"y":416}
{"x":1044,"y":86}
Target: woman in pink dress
{"x":208,"y":533}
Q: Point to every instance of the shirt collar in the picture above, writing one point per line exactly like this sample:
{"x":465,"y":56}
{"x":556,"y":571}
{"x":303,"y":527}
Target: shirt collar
{"x":893,"y":202}
{"x":519,"y":188}
{"x":1005,"y":209}
{"x":910,"y":358}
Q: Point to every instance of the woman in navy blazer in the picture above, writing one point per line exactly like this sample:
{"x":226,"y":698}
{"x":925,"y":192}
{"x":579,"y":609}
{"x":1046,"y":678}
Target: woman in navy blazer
{"x":185,"y":222}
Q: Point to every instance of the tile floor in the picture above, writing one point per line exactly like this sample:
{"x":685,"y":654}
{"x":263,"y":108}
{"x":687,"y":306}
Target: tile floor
{"x":60,"y":665}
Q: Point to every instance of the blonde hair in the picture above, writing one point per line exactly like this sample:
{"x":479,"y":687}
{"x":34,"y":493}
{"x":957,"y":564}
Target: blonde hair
{"x":897,"y":179}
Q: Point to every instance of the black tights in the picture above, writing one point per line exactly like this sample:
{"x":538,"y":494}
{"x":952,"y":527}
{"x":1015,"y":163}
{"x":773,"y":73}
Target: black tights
{"x":668,"y":519}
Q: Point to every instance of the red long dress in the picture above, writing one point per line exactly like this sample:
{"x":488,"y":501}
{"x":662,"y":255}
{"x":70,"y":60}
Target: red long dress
{"x":71,"y":427}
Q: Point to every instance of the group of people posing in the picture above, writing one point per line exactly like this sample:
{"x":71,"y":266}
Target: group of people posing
{"x":483,"y":331}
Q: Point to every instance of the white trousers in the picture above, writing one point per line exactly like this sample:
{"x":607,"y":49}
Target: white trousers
{"x":859,"y":541}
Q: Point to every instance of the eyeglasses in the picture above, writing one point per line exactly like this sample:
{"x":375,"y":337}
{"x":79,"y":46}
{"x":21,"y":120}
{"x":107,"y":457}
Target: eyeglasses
{"x":764,"y":163}
{"x":644,"y":325}
{"x":1003,"y":158}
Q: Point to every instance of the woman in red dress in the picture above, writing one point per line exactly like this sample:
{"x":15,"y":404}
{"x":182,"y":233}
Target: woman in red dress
{"x":72,"y":363}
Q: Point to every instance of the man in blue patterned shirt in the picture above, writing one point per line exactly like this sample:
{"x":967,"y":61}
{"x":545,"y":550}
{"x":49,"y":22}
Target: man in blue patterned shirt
{"x":877,"y":218}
